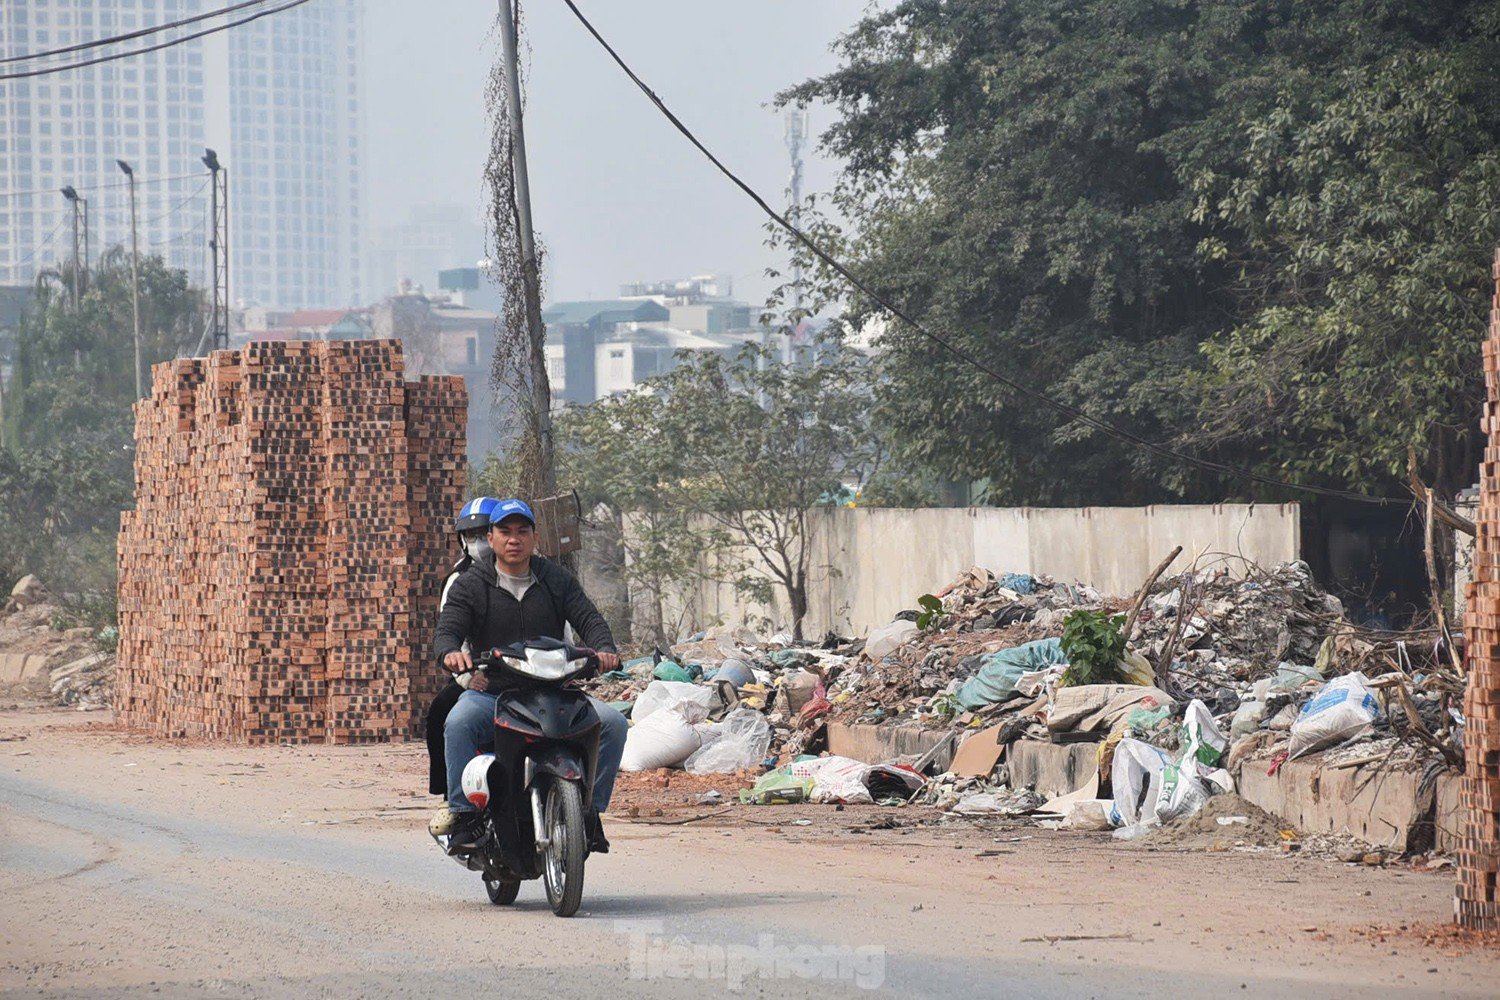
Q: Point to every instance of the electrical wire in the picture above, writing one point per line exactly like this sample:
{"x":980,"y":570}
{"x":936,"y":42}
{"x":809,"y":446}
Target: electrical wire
{"x":180,"y":205}
{"x":150,"y":181}
{"x":46,"y":242}
{"x":139,"y":33}
{"x":154,"y":48}
{"x":1060,"y":407}
{"x":182,"y":237}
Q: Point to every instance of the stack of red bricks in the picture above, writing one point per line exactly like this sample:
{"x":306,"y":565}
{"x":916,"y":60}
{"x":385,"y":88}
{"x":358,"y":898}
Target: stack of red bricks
{"x":276,"y":576}
{"x":434,"y":406}
{"x":1477,"y":903}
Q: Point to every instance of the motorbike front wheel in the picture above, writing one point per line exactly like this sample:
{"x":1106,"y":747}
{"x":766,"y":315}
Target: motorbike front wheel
{"x":502,"y":891}
{"x":562,"y":868}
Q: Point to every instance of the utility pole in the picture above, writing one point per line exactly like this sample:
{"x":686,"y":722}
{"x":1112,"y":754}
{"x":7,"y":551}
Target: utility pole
{"x":796,"y":138}
{"x":72,"y":196}
{"x":536,"y":375}
{"x":135,"y":276}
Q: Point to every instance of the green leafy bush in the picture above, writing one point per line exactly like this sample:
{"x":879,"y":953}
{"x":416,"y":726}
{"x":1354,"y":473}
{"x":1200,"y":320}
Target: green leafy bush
{"x":1093,"y":642}
{"x":931,"y":614}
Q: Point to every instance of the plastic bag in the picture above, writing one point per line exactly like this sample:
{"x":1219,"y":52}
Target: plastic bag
{"x":745,"y":738}
{"x":1202,"y":734}
{"x":666,"y":670}
{"x":1135,"y":774}
{"x":777,"y":787}
{"x":665,"y":739}
{"x":1136,"y":669}
{"x":886,"y":781}
{"x":1247,"y":718}
{"x":1089,"y":814}
{"x":887,"y":639}
{"x":1181,"y":793}
{"x":838,"y":779}
{"x":1000,"y":671}
{"x":688,"y":700}
{"x":797,"y":688}
{"x":1343,"y":709}
{"x":1184,"y":785}
{"x":1019,"y":583}
{"x":1290,"y":677}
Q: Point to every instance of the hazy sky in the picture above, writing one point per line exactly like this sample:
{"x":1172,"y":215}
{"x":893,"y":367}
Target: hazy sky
{"x":617,"y":194}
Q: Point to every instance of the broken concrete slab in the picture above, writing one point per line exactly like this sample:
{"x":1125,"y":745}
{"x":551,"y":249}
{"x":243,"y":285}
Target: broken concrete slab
{"x":1383,"y":809}
{"x":16,"y":667}
{"x":1053,"y":769}
{"x":877,"y":744}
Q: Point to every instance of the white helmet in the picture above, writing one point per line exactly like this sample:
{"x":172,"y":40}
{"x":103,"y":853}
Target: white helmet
{"x":476,"y":780}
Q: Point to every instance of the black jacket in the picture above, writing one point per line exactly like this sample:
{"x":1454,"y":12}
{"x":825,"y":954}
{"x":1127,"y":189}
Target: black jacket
{"x":488,"y":615}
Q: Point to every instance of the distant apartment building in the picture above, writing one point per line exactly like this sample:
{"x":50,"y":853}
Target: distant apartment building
{"x":69,"y":128}
{"x":415,"y":250}
{"x":279,"y":99}
{"x":600,"y":348}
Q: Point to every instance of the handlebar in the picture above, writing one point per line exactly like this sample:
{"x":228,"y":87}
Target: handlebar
{"x":489,"y":656}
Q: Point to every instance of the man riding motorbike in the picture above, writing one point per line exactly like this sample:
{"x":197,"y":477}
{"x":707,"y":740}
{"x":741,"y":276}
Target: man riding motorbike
{"x":510,"y":596}
{"x":471,"y":528}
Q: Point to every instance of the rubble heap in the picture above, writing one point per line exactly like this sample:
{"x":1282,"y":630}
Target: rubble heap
{"x":279,"y":568}
{"x":1210,"y":674}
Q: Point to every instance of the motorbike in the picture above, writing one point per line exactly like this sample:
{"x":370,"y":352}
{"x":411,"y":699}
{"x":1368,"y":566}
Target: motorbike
{"x":535,"y":784}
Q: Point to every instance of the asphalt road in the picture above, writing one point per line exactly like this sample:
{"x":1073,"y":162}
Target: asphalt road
{"x":136,"y":870}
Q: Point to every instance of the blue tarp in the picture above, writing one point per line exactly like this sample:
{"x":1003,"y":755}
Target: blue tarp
{"x":999,"y":671}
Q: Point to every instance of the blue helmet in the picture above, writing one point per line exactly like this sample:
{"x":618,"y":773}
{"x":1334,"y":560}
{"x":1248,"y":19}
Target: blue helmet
{"x":475,"y":514}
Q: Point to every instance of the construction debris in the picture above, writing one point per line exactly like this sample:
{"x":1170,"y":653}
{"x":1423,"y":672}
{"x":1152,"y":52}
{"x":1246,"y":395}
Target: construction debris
{"x":1224,"y":673}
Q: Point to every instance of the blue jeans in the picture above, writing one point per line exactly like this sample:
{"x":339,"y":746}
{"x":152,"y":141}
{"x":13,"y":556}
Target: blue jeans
{"x":472,"y":722}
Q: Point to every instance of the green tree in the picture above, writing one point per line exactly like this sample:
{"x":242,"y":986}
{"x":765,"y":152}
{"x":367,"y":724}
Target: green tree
{"x":67,"y":470}
{"x":1078,"y":192}
{"x":1362,"y":228}
{"x":726,"y":455}
{"x":622,"y":454}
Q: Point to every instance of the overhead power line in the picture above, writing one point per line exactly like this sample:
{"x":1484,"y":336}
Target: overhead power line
{"x":1104,"y":426}
{"x":139,"y":33}
{"x":140,"y":182}
{"x":154,"y":48}
{"x":46,"y":242}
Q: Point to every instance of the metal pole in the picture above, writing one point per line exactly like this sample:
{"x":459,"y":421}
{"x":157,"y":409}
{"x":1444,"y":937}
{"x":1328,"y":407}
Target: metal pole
{"x":85,"y":203}
{"x":75,"y":254}
{"x":213,"y":247}
{"x":225,"y":251}
{"x":541,"y":397}
{"x":135,"y":276}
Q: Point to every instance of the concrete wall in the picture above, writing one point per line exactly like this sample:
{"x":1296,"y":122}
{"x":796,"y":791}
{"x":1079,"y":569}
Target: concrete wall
{"x":870,"y":563}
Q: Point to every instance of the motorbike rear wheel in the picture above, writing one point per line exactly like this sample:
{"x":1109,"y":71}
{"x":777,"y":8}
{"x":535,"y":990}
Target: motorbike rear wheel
{"x":562,"y":858}
{"x":502,"y":891}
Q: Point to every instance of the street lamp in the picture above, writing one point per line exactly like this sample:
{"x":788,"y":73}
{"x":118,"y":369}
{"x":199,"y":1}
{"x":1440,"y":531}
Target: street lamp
{"x":71,"y":194}
{"x":135,"y":275}
{"x":218,"y":244}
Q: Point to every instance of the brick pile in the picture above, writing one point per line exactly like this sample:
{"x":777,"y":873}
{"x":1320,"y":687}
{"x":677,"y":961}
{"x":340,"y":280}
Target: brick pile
{"x":278,"y":575}
{"x":1477,"y":902}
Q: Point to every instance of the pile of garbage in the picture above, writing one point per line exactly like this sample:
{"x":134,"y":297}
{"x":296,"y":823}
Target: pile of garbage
{"x":723,"y":701}
{"x":1210,"y":672}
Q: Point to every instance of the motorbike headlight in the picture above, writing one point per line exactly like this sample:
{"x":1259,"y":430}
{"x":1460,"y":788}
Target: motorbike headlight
{"x":545,"y":664}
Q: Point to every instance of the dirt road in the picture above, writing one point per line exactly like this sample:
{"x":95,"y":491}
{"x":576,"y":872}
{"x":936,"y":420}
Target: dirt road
{"x":131,"y":868}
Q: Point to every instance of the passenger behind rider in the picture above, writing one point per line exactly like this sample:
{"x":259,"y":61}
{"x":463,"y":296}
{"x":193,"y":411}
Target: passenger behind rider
{"x":471,"y":528}
{"x":506,"y":597}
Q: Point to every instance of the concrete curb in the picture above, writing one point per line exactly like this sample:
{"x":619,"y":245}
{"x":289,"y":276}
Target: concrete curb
{"x":1385,"y":809}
